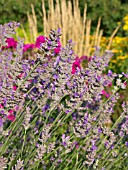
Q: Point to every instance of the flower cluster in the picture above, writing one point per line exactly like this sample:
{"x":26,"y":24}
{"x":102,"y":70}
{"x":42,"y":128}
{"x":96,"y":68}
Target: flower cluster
{"x":125,"y":27}
{"x":11,"y":43}
{"x":29,"y":49}
{"x":80,"y":62}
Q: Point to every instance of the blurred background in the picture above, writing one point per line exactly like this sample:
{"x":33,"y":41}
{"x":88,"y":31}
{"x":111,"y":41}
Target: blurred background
{"x":88,"y":22}
{"x":112,"y":12}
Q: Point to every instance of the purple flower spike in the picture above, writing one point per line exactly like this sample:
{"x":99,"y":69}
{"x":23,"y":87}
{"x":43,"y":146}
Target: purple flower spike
{"x":94,"y":148}
{"x":109,"y":73}
{"x":126,"y":143}
{"x":1,"y":122}
{"x":70,"y":41}
{"x":59,"y":30}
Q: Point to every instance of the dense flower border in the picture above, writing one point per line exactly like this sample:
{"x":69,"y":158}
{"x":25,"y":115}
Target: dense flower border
{"x":52,"y":112}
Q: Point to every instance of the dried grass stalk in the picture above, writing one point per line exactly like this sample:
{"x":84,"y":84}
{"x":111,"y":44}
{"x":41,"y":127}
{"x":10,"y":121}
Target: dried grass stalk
{"x":44,"y":17}
{"x":34,"y":22}
{"x":97,"y":31}
{"x":32,"y":25}
{"x":25,"y":34}
{"x":73,"y":26}
{"x":71,"y":23}
{"x":112,"y":36}
{"x":87,"y":41}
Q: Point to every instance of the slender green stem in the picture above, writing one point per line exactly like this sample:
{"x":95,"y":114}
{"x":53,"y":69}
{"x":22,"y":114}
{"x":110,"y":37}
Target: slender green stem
{"x":16,"y":124}
{"x":23,"y":142}
{"x":118,"y":158}
{"x":115,"y":124}
{"x":71,"y":159}
{"x":108,"y":155}
{"x":80,"y":164}
{"x":7,"y":142}
{"x":34,"y":167}
{"x":61,"y":166}
{"x":81,"y":168}
{"x":77,"y":157}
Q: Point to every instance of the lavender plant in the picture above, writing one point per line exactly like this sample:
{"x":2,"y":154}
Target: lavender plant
{"x":53,"y":119}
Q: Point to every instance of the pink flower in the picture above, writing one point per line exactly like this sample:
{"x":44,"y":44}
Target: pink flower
{"x":1,"y":106}
{"x":14,"y":88}
{"x":77,"y":146}
{"x":85,"y":58}
{"x":11,"y":116}
{"x":39,"y":40}
{"x":125,"y":83}
{"x":28,"y":47}
{"x":9,"y":76}
{"x":57,"y":49}
{"x":78,"y":61}
{"x":11,"y":111}
{"x":75,"y":65}
{"x":107,"y":95}
{"x":20,"y":75}
{"x":30,"y":81}
{"x":110,"y":84}
{"x":11,"y":43}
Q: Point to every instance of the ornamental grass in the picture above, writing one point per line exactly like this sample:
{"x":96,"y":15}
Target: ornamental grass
{"x":67,"y":17}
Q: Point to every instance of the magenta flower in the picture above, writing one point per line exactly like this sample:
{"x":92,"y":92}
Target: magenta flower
{"x":85,"y":58}
{"x":110,"y":84}
{"x":28,"y":47}
{"x":39,"y":40}
{"x":11,"y":43}
{"x":1,"y":106}
{"x":30,"y":81}
{"x":20,"y":75}
{"x":11,"y":116}
{"x":11,"y":111}
{"x":57,"y":49}
{"x":14,"y":88}
{"x":78,"y":61}
{"x":107,"y":95}
{"x":77,"y":146}
{"x":125,"y":83}
{"x":75,"y":65}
